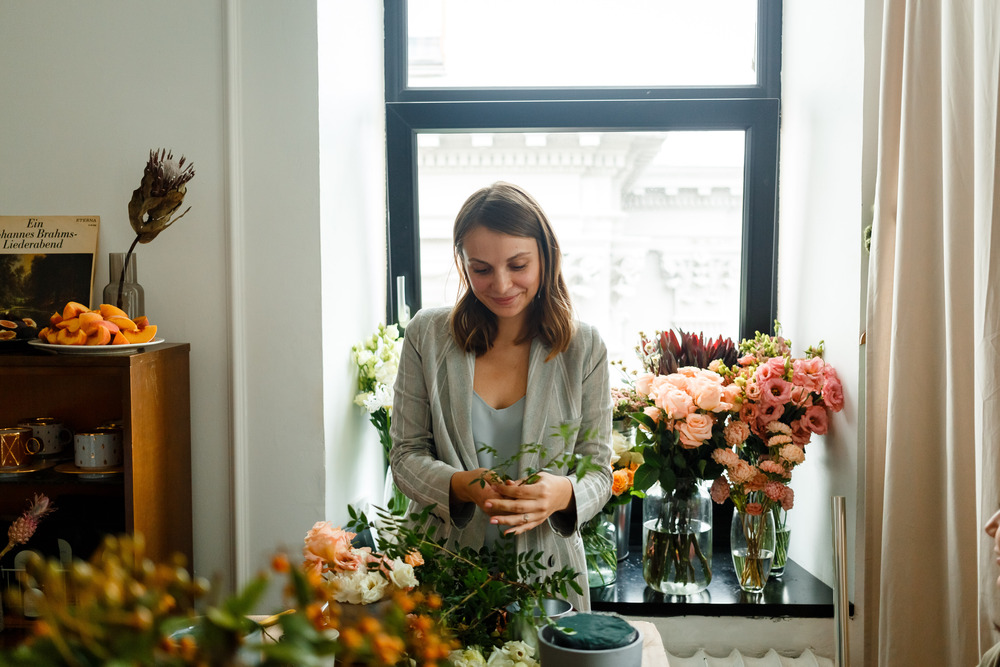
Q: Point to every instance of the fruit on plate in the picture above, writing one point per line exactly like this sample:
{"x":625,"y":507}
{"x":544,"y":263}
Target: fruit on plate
{"x":107,"y":325}
{"x":14,"y":327}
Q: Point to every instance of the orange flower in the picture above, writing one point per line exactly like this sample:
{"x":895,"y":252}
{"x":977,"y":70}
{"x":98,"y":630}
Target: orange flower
{"x":620,"y":482}
{"x":414,"y":558}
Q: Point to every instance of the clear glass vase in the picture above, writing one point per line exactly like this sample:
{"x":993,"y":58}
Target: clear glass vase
{"x":782,"y":538}
{"x":127,"y":295}
{"x":752,"y":543}
{"x":677,"y":538}
{"x":600,"y":550}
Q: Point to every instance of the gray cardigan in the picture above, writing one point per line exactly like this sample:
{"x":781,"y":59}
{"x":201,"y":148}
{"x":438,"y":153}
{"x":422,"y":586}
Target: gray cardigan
{"x":432,"y":432}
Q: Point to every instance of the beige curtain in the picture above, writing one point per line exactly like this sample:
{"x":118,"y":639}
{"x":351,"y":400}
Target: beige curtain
{"x":933,"y":409}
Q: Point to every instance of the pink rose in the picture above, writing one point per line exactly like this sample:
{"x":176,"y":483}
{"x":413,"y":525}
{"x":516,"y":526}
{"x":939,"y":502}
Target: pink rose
{"x":330,"y":545}
{"x":833,"y":392}
{"x":695,"y":429}
{"x":643,"y":383}
{"x":706,"y":393}
{"x":720,"y":490}
{"x":754,"y":509}
{"x":808,"y":373}
{"x":676,"y":403}
{"x":653,"y":413}
{"x":816,"y":419}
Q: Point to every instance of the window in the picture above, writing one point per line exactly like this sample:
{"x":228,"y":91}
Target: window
{"x":657,"y":166}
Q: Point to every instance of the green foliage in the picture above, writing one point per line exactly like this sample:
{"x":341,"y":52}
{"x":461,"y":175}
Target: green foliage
{"x":567,"y":462}
{"x":476,"y":586}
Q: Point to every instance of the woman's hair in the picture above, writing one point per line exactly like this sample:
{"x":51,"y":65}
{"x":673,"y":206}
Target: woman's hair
{"x":508,"y":209}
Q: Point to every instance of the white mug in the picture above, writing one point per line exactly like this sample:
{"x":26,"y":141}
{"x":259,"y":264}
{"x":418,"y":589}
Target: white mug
{"x":98,"y":449}
{"x":53,"y":435}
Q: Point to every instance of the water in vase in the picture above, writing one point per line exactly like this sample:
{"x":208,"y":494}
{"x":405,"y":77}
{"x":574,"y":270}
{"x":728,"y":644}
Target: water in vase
{"x":677,"y":563}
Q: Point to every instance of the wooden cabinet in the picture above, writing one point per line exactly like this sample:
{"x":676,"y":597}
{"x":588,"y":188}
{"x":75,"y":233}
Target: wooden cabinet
{"x":149,"y":393}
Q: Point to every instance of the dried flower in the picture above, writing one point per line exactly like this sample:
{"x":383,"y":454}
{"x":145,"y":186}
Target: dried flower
{"x":159,"y":195}
{"x":25,"y":525}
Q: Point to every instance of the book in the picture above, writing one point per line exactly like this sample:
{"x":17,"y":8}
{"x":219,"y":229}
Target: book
{"x":45,"y":262}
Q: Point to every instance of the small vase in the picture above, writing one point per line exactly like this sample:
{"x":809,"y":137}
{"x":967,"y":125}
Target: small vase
{"x":600,"y":550}
{"x":782,"y":537}
{"x":752,"y":543}
{"x":677,"y":538}
{"x":622,"y":519}
{"x":129,"y":296}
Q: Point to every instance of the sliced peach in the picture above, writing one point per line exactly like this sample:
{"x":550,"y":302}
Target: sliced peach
{"x":71,"y":324}
{"x":55,"y":319}
{"x":89,"y":320}
{"x":73,"y":309}
{"x":119,"y":339}
{"x":67,"y":337}
{"x":100,"y":336}
{"x":108,"y":311}
{"x":141,"y":322}
{"x":51,"y":335}
{"x":110,"y":326}
{"x":123,"y":323}
{"x":140,"y":335}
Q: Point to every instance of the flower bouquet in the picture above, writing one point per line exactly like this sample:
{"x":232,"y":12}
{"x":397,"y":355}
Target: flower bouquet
{"x":782,"y":402}
{"x":377,"y":359}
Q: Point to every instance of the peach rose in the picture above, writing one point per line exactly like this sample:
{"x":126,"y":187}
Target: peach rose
{"x":653,"y":413}
{"x":676,"y":403}
{"x":706,"y":393}
{"x":619,"y":481}
{"x":644,"y":383}
{"x":330,"y":545}
{"x":754,"y":509}
{"x":695,"y":430}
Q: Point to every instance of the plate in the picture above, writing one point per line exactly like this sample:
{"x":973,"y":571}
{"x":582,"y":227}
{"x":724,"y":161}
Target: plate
{"x":94,"y":349}
{"x":11,"y":473}
{"x":89,"y":473}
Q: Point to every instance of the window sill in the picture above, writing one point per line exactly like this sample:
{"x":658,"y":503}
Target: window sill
{"x":797,"y":594}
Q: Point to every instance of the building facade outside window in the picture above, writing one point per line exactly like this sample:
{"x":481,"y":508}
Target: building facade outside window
{"x":647,"y":131}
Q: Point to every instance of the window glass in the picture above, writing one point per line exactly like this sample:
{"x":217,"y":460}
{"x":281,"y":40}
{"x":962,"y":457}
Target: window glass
{"x":650,"y":223}
{"x":584,"y":43}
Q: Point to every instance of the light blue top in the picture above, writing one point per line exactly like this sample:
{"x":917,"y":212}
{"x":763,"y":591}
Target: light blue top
{"x":501,"y":430}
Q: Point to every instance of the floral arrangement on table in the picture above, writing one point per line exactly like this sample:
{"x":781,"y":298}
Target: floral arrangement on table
{"x":783,"y":401}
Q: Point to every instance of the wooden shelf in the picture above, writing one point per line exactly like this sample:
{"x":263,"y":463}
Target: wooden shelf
{"x":149,"y":392}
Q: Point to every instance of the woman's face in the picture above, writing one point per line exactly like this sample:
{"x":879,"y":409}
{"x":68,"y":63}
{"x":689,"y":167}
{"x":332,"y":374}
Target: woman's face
{"x":991,"y":529}
{"x":504,"y":271}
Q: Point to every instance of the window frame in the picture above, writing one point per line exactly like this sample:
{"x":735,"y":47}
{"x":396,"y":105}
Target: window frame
{"x":753,"y":109}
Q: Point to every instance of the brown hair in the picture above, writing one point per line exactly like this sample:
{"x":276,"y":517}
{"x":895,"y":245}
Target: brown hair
{"x":507,"y":209}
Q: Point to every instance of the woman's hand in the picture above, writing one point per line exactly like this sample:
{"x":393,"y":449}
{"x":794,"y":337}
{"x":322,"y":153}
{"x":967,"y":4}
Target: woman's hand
{"x":525,"y":506}
{"x":467,"y":487}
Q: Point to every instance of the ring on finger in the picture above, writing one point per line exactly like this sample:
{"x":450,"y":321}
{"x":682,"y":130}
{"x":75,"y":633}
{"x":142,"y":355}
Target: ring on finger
{"x":524,"y":519}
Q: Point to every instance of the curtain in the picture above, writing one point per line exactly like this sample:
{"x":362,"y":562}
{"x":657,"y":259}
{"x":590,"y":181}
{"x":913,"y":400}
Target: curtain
{"x":932,"y":409}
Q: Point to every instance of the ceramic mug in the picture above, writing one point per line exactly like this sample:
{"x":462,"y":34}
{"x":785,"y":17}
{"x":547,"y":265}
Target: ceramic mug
{"x":98,"y":449}
{"x":17,"y":446}
{"x":52,"y":433}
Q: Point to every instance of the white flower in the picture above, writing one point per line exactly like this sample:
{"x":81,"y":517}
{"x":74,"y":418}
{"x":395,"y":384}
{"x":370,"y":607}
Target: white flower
{"x":519,"y":652}
{"x":360,"y":586}
{"x":380,"y":398}
{"x":401,"y":575}
{"x":619,"y":446}
{"x":373,"y":586}
{"x":499,"y":659}
{"x":470,"y":657}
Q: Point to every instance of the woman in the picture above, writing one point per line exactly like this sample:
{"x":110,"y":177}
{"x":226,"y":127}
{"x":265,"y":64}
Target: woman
{"x":506,"y":365}
{"x":992,"y":657}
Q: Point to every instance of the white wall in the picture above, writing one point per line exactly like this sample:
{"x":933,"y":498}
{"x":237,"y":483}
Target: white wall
{"x":277,"y":267}
{"x":821,"y":219}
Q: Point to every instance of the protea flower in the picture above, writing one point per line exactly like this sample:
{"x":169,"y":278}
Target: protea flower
{"x":159,"y":195}
{"x":25,"y":525}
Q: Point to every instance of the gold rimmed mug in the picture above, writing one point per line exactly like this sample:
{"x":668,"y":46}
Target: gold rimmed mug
{"x":51,"y":432}
{"x":17,"y":446}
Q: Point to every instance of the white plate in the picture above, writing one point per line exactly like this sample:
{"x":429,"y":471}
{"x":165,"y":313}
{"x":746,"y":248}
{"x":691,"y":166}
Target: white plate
{"x":94,"y":349}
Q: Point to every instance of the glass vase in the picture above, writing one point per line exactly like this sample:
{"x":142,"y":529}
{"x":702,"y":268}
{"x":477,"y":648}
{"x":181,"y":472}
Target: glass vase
{"x":752,"y":543}
{"x":677,"y":538}
{"x":127,"y":295}
{"x":782,"y":537}
{"x":600,"y":550}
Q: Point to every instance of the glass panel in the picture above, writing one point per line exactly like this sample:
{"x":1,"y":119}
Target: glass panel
{"x":527,"y":43}
{"x":650,"y":223}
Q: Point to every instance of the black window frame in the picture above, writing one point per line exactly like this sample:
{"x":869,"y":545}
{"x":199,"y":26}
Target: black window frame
{"x":753,"y":109}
